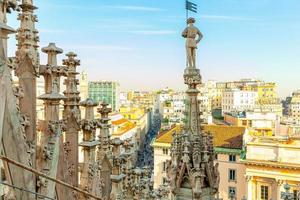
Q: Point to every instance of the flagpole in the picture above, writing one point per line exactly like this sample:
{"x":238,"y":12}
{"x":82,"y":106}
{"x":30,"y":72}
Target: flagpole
{"x":187,"y":14}
{"x":187,"y":11}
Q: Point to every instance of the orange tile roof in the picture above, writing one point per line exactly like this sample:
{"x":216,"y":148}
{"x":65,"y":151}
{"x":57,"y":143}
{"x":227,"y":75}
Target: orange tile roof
{"x":120,"y":121}
{"x":166,"y":136}
{"x":224,"y":136}
{"x":125,"y":128}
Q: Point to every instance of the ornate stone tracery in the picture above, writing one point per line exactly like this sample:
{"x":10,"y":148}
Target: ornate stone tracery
{"x":109,"y":170}
{"x":191,"y":170}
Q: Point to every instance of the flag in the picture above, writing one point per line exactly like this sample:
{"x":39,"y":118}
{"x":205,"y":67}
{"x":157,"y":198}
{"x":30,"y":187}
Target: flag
{"x":191,"y":6}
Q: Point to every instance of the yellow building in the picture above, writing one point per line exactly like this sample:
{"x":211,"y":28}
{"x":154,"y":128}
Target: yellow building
{"x":121,"y":128}
{"x":141,"y":117}
{"x":267,"y":92}
{"x":130,"y":95}
{"x":124,"y":129}
{"x":217,"y":102}
{"x":271,"y":163}
{"x":257,"y":123}
{"x":142,"y":99}
{"x":228,"y":142}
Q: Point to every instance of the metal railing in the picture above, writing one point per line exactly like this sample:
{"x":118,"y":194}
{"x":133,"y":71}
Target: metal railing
{"x":20,"y":165}
{"x":25,"y":190}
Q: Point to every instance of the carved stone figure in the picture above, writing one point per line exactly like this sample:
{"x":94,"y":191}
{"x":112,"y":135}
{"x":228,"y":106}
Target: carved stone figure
{"x":191,"y":172}
{"x":193,"y":37}
{"x":217,"y":176}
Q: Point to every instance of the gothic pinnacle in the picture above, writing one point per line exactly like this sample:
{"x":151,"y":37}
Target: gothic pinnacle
{"x":52,"y":52}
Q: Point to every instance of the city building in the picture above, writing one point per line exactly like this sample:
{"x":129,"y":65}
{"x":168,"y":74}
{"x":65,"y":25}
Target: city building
{"x":122,"y":128}
{"x":258,"y":123}
{"x":294,"y":107}
{"x":288,"y":127}
{"x":83,"y":85}
{"x":107,"y":91}
{"x":161,"y":148}
{"x":211,"y":88}
{"x":171,"y":106}
{"x":271,"y":106}
{"x":205,"y":99}
{"x":266,"y":91}
{"x":161,"y":97}
{"x":221,"y":87}
{"x":123,"y":100}
{"x":238,"y":100}
{"x":141,"y":118}
{"x":141,"y":98}
{"x":168,"y":115}
{"x":271,"y":163}
{"x":228,"y":146}
{"x":286,"y":106}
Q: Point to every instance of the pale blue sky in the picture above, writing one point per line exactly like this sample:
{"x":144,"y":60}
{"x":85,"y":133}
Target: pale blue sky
{"x":138,"y":42}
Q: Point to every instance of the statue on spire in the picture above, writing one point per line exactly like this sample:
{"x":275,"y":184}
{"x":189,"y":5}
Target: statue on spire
{"x":193,"y":37}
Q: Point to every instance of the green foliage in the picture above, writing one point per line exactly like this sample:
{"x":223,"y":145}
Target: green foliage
{"x":165,"y":120}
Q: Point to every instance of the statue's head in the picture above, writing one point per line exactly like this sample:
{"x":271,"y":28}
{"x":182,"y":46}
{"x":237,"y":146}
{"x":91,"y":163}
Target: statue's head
{"x":191,"y":20}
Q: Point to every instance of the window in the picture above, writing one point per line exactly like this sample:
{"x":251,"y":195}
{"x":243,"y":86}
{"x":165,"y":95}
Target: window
{"x":264,"y":192}
{"x":232,"y":175}
{"x":232,"y":158}
{"x":165,"y":151}
{"x":250,"y":123}
{"x":295,"y":194}
{"x":164,"y":166}
{"x":231,"y":192}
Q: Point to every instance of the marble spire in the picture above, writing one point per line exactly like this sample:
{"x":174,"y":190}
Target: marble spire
{"x":72,"y":115}
{"x":191,"y":170}
{"x":27,"y":68}
{"x":52,"y":127}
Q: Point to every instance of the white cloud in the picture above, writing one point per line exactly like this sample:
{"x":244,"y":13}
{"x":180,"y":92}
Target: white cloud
{"x":226,"y":17}
{"x":137,"y":8}
{"x":99,"y":47}
{"x":53,"y":31}
{"x":152,"y":32}
{"x":105,"y":7}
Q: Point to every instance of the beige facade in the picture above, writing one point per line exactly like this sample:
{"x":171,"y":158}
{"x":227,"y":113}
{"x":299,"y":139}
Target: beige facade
{"x":238,"y":100}
{"x":227,"y":166}
{"x":161,"y":155}
{"x":271,"y":163}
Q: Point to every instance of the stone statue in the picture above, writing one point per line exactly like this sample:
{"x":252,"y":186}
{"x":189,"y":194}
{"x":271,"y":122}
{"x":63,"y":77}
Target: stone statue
{"x":217,"y":176}
{"x":193,"y":37}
